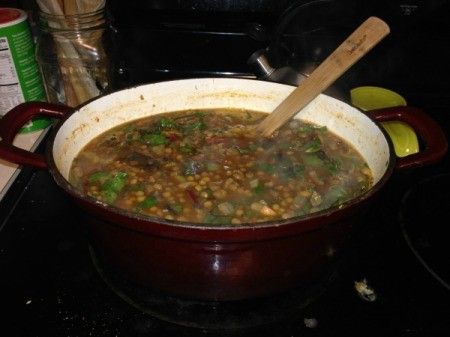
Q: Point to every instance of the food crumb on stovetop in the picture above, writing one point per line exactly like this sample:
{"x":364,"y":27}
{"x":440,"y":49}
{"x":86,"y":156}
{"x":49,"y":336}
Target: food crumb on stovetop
{"x":364,"y":291}
{"x":310,"y":322}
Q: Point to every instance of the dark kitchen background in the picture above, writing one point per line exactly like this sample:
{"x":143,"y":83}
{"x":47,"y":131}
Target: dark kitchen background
{"x":49,"y":285}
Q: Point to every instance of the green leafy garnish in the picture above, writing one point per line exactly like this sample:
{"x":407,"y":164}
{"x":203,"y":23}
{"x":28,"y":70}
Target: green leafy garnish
{"x":176,"y":208}
{"x":167,"y":123}
{"x":291,"y":171}
{"x":116,"y":183}
{"x":308,"y":128}
{"x":199,"y":125}
{"x":245,"y":150}
{"x":128,"y":128}
{"x":259,"y":189}
{"x":312,"y":160}
{"x":147,"y":203}
{"x":155,"y":139}
{"x":186,"y":149}
{"x":131,"y":136}
{"x":336,"y":195}
{"x":312,"y":146}
{"x":332,"y":165}
{"x":109,"y":196}
{"x":111,"y":184}
{"x":265,"y":167}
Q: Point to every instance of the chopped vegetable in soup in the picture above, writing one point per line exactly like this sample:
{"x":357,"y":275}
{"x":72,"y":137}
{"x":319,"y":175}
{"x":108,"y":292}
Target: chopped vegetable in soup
{"x":203,"y":167}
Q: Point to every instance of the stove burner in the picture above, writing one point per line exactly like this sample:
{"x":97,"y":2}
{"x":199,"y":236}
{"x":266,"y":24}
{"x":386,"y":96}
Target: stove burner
{"x":210,"y":314}
{"x":425,"y":211}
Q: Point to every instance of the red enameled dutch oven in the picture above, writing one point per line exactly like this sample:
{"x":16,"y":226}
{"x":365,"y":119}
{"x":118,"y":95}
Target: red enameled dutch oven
{"x":217,"y":263}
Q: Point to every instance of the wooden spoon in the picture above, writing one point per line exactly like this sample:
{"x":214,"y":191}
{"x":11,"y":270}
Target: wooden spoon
{"x":363,"y":39}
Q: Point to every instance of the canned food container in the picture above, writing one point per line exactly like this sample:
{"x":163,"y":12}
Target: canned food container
{"x":20,"y":78}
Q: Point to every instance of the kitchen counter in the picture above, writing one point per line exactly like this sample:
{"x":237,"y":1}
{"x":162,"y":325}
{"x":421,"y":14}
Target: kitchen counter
{"x":8,"y":171}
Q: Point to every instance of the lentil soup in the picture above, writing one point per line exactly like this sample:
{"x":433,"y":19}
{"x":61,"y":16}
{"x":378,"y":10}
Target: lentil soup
{"x":203,"y":167}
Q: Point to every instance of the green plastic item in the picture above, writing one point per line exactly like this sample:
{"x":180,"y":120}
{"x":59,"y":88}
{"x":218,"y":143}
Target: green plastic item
{"x":402,"y":135}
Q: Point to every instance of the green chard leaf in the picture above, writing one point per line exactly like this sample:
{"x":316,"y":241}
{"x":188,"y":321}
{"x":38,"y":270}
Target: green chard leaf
{"x":332,"y":165}
{"x":154,"y":139}
{"x":308,"y":128}
{"x":245,"y":150}
{"x":176,"y":208}
{"x":99,"y":176}
{"x":259,"y":189}
{"x":167,"y":123}
{"x":147,"y":203}
{"x":116,"y":183}
{"x":265,"y":167}
{"x":312,"y":146}
{"x":199,"y":125}
{"x":109,"y":196}
{"x":312,"y":159}
{"x":186,"y":149}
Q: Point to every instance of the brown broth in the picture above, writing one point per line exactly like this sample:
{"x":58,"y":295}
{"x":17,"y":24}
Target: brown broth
{"x":202,"y":167}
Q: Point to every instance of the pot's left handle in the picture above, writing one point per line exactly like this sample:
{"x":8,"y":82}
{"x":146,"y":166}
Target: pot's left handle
{"x":13,"y":120}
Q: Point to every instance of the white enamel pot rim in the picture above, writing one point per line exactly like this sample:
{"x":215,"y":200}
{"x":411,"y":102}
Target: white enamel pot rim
{"x":103,"y":113}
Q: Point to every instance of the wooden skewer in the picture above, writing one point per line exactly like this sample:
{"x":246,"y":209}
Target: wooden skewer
{"x":81,"y":85}
{"x":70,"y":7}
{"x":363,"y":39}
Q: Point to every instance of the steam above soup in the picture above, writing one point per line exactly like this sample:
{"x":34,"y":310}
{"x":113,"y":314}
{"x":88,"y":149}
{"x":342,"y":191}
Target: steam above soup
{"x":203,"y":167}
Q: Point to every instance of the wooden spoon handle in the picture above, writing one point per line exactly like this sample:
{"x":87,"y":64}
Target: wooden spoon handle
{"x":363,"y":39}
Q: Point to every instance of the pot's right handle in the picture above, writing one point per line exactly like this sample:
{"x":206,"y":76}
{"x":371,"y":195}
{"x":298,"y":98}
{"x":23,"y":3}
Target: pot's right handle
{"x":428,"y":130}
{"x":14,"y":119}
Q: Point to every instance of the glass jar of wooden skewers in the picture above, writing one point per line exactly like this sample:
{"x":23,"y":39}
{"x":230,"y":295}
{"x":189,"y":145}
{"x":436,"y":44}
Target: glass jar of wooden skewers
{"x":73,"y":51}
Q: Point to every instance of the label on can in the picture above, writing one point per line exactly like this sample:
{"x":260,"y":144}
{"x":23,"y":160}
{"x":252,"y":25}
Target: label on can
{"x":20,"y":79}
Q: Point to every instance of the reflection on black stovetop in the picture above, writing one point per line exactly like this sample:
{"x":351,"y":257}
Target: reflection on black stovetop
{"x":424,"y":212}
{"x":173,"y":39}
{"x":51,"y":286}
